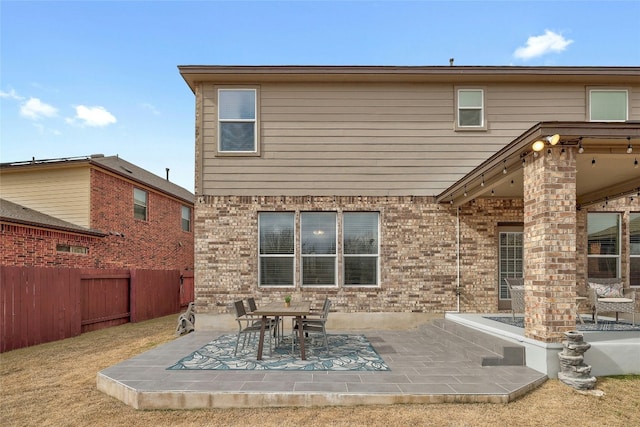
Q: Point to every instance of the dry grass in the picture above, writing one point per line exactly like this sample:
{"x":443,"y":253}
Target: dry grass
{"x":55,"y":384}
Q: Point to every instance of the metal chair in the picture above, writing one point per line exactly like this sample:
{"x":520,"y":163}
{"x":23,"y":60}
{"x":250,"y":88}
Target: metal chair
{"x":251,"y":327}
{"x":251,"y":302}
{"x":516,"y":290}
{"x":318,"y":325}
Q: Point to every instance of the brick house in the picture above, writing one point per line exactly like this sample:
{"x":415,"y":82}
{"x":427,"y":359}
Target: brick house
{"x":402,"y":190}
{"x":93,"y":212}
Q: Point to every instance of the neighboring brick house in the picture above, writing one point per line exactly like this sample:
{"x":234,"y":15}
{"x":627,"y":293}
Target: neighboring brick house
{"x":97,"y":212}
{"x":415,"y":189}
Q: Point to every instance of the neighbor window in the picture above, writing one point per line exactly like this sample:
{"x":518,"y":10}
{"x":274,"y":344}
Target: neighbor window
{"x":470,"y":108}
{"x":318,"y":245}
{"x":237,"y":122}
{"x":140,"y":198}
{"x":186,"y":218}
{"x":608,"y":105}
{"x":72,"y":249}
{"x":277,"y":253}
{"x":634,"y":249}
{"x":603,"y":245}
{"x":360,"y":248}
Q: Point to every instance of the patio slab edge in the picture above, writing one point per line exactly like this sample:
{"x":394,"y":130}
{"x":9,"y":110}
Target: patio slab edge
{"x":181,"y":399}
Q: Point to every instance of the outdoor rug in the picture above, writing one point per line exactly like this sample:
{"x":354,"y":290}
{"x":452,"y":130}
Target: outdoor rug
{"x":589,"y":325}
{"x":346,"y":353}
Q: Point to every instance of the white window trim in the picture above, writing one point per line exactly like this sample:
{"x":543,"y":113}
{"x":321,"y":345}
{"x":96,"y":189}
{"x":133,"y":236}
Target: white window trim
{"x":618,"y":257}
{"x":255,"y":121}
{"x":294,"y":255}
{"x":483,"y":109}
{"x":632,"y":256}
{"x":370,"y":286}
{"x":335,"y":255}
{"x":608,"y":89}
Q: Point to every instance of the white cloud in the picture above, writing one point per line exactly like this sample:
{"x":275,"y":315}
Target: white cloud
{"x":35,"y":109}
{"x":12,"y":94}
{"x":541,"y":45}
{"x":151,"y":108}
{"x":92,"y":116}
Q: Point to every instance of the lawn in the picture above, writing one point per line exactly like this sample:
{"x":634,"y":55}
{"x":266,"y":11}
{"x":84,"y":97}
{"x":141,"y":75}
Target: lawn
{"x":54,"y":384}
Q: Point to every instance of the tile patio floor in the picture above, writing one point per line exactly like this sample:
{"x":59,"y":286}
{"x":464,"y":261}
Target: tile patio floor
{"x":428,"y":365}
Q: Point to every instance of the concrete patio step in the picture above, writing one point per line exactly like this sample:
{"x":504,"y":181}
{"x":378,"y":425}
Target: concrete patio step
{"x":501,"y":352}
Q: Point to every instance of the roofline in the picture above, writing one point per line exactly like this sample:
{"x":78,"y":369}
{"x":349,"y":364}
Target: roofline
{"x":512,"y":154}
{"x":86,"y":232}
{"x":350,"y":73}
{"x":71,"y":161}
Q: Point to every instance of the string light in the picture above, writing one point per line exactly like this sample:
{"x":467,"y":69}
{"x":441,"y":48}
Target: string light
{"x":629,"y":147}
{"x":635,"y":164}
{"x":504,"y":167}
{"x":482,"y":183}
{"x":593,"y":163}
{"x":580,"y":147}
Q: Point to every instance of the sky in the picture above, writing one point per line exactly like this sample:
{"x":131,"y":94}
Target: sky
{"x":86,"y":77}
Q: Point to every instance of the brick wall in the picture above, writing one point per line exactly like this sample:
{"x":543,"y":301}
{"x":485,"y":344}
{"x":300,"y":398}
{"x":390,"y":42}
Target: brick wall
{"x":34,"y":247}
{"x":418,"y":253}
{"x":158,"y":243}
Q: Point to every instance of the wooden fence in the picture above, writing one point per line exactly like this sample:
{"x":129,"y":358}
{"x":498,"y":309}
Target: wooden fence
{"x":40,"y":304}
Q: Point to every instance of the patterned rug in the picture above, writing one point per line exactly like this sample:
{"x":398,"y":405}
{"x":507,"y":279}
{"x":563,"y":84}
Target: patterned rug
{"x":346,"y":353}
{"x":589,"y":325}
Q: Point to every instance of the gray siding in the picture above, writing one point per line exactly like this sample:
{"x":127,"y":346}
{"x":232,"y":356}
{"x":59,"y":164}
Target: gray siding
{"x":375,"y":139}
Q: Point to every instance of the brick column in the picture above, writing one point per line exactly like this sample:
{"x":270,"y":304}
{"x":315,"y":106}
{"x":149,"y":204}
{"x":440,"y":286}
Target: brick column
{"x":550,"y":244}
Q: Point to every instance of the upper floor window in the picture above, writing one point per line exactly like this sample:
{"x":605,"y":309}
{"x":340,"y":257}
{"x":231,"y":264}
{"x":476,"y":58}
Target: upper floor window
{"x":470,"y":108}
{"x":140,"y":198}
{"x":603,"y":245}
{"x":237,"y":121}
{"x":186,"y":218}
{"x":634,"y":249}
{"x":608,"y":105}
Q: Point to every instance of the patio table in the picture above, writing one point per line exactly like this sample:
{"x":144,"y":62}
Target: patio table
{"x":278,"y":309}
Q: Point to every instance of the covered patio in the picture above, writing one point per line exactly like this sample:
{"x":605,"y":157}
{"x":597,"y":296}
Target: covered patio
{"x":560,"y":171}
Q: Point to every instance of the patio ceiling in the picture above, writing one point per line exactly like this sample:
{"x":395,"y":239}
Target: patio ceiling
{"x":614,"y":173}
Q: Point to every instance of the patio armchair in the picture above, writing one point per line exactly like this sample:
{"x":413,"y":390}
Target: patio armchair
{"x":516,"y":290}
{"x":248,"y":326}
{"x":610,"y":295}
{"x":318,"y":325}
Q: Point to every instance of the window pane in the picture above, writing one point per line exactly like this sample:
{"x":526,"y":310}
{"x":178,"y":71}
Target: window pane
{"x":236,"y":104}
{"x":634,"y":233}
{"x":139,"y":204}
{"x":361,"y":233}
{"x":511,"y":255}
{"x":276,"y":271}
{"x":236,"y":136}
{"x":318,"y":271}
{"x":634,"y":278}
{"x":470,"y":118}
{"x":608,"y":105}
{"x":276,"y":233}
{"x":186,"y":218}
{"x":470,"y":98}
{"x":360,"y":270}
{"x":603,"y":233}
{"x":603,"y":267}
{"x":318,"y":232}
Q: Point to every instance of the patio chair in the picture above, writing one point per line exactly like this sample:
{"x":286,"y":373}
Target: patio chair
{"x":251,"y":302}
{"x":610,"y":295}
{"x":516,"y":290}
{"x":318,"y":326}
{"x":251,"y":326}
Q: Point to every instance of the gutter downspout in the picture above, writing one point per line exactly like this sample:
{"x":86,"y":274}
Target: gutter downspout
{"x":458,"y":258}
